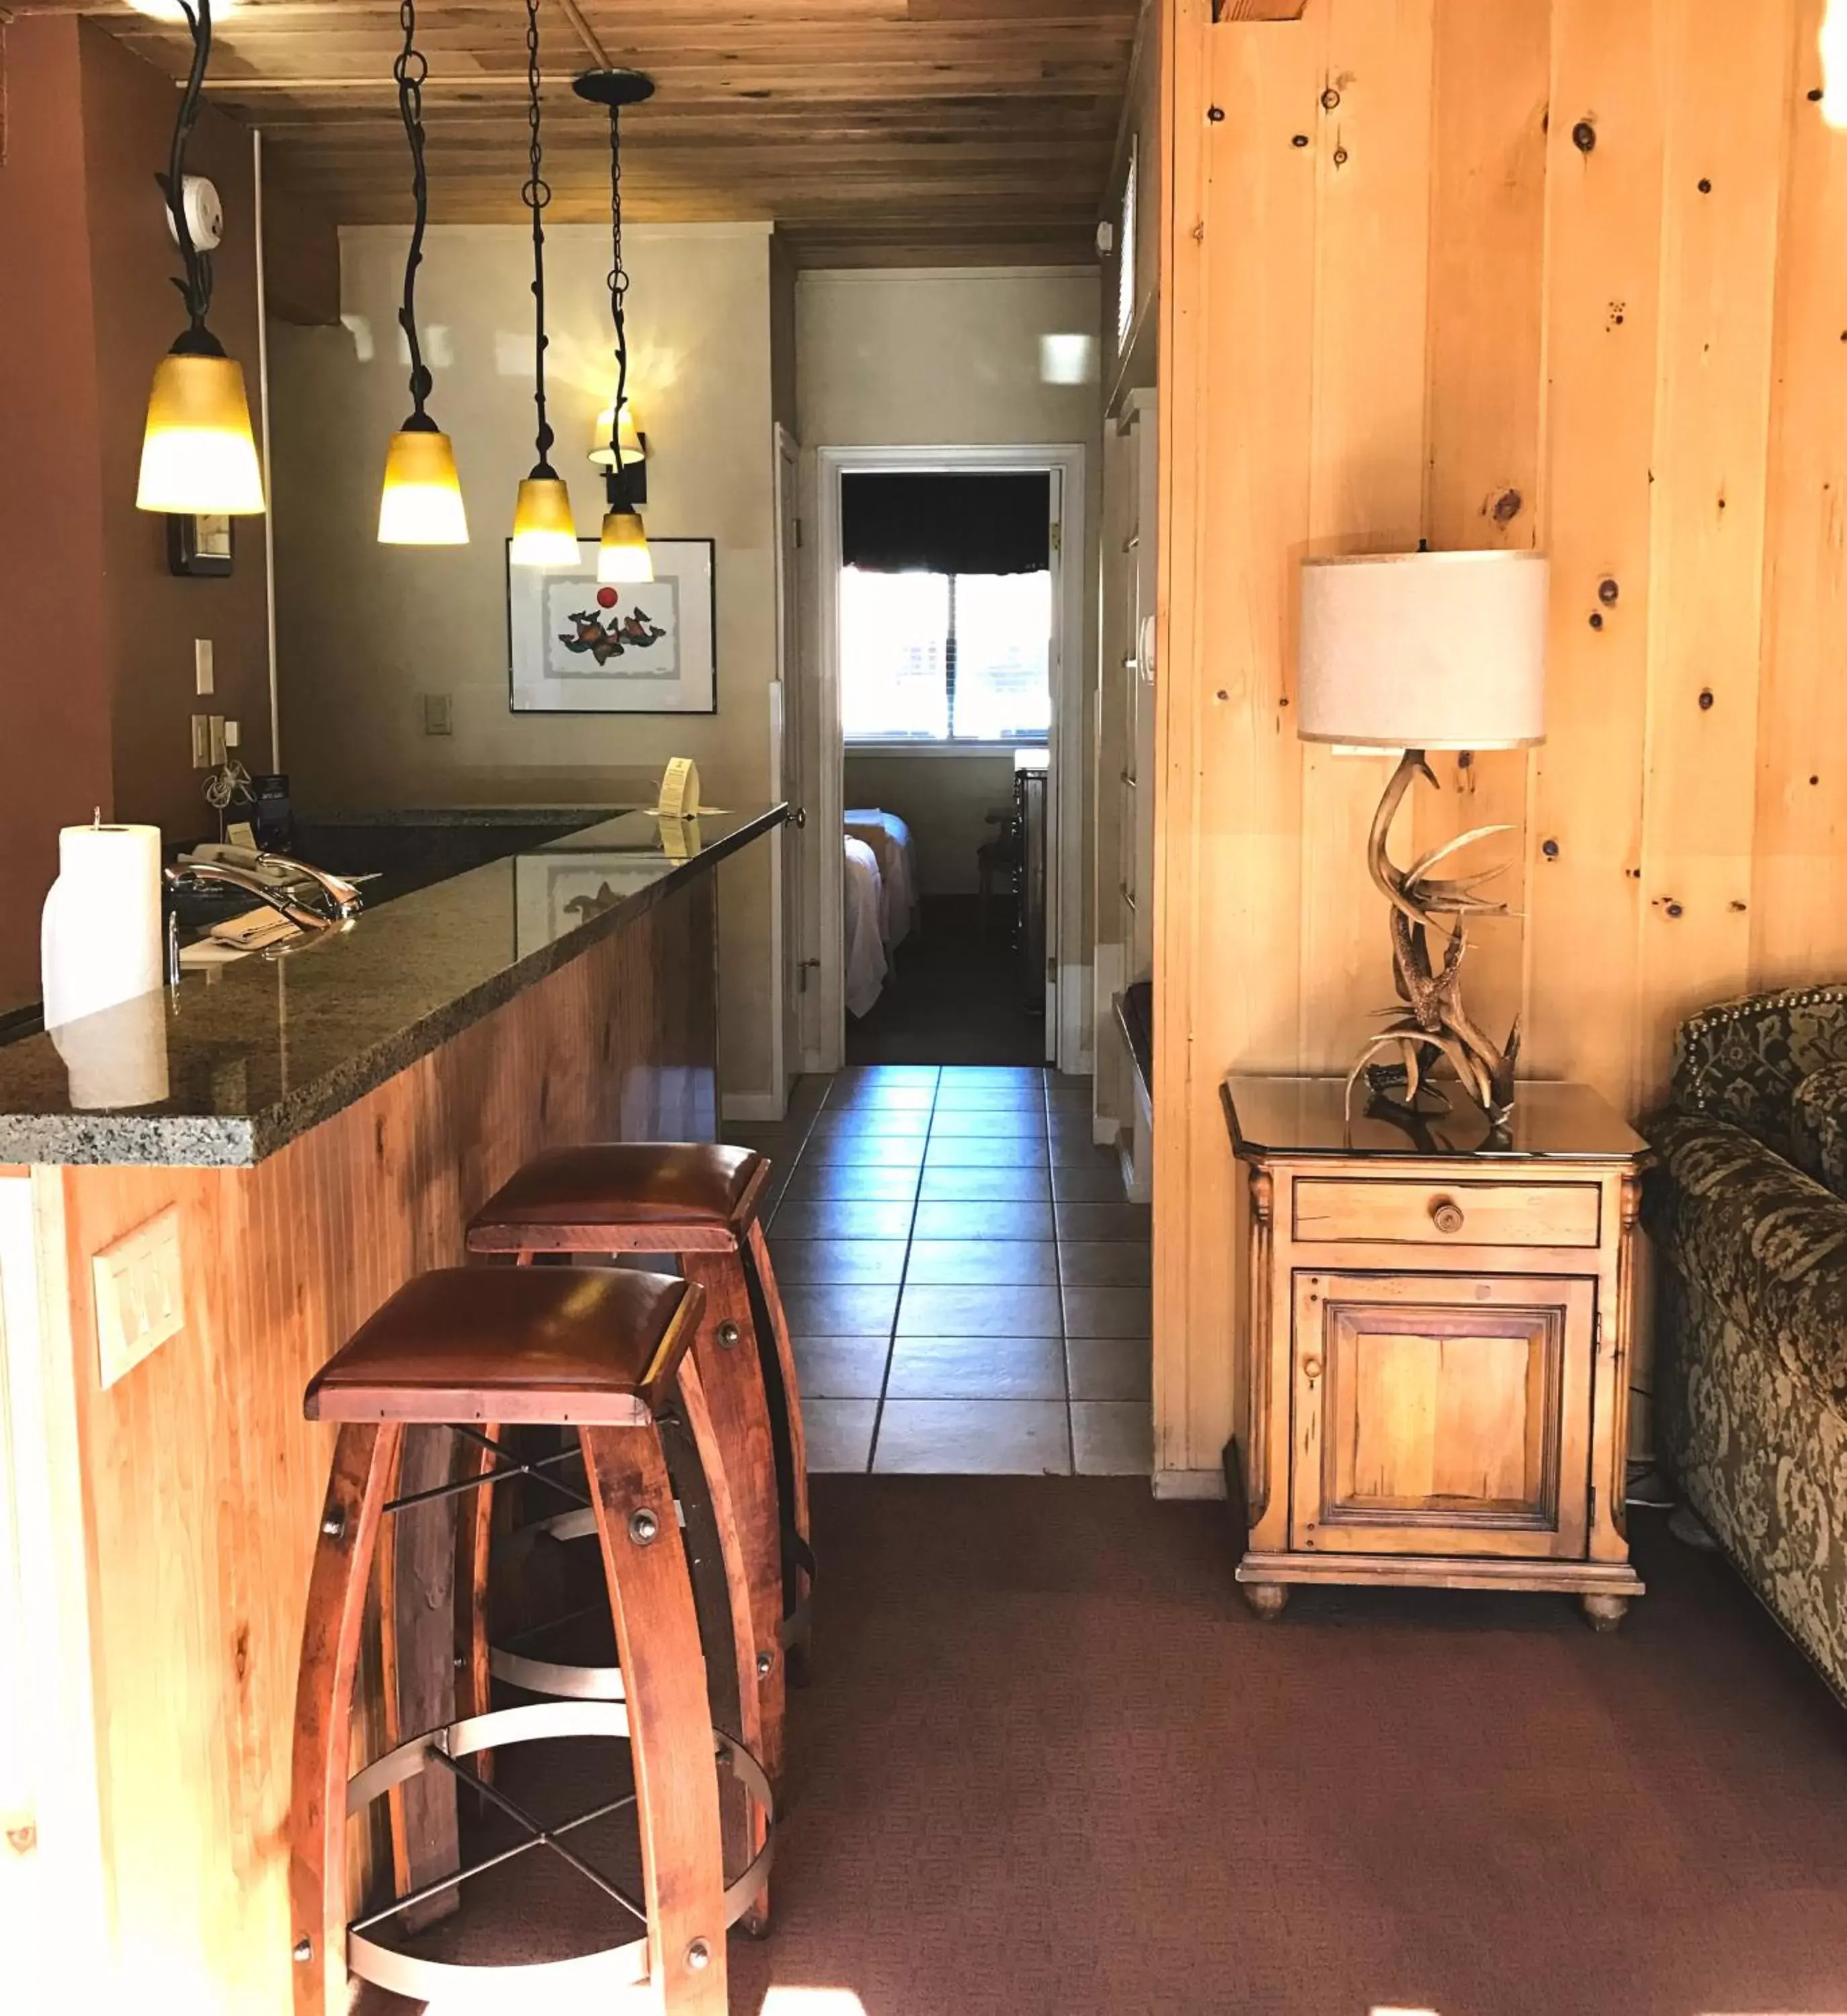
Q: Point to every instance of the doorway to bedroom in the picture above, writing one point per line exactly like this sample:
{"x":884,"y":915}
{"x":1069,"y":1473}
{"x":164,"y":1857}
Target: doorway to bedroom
{"x":946,"y":607}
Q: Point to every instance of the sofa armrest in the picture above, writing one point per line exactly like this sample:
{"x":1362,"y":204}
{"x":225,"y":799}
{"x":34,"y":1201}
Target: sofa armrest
{"x":1766,"y":1242}
{"x":1742,"y":1060}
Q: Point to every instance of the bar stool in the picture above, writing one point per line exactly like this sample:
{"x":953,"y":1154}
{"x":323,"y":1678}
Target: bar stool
{"x":699,"y":1203}
{"x":605,"y":1353}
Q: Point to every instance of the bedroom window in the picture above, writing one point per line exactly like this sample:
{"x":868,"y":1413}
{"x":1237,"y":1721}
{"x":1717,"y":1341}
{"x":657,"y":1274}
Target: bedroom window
{"x":945,"y":608}
{"x":957,"y":657}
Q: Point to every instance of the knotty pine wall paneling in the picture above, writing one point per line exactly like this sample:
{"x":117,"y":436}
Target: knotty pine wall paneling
{"x":1512,"y":273}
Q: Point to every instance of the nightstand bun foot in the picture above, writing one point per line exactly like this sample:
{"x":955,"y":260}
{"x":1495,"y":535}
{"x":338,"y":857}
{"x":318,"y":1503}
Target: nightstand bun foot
{"x":1603,"y":1613}
{"x":1268,"y":1599}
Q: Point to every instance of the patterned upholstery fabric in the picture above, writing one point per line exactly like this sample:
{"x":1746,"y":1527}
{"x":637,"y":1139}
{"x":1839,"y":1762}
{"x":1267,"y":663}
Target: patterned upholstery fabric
{"x":1753,"y":1304}
{"x":1818,"y":1116}
{"x":1742,"y":1060}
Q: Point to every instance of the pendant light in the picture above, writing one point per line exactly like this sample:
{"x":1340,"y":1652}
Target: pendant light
{"x":622,"y":554}
{"x":198,"y":455}
{"x":421,"y":503}
{"x":545,"y":528}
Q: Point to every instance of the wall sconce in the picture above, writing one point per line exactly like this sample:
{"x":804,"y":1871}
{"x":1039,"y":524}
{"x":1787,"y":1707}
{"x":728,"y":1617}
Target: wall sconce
{"x":635,"y":450}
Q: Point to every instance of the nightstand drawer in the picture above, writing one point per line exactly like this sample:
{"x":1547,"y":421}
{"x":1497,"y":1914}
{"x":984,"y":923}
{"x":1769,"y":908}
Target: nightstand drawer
{"x":1471,"y":1214}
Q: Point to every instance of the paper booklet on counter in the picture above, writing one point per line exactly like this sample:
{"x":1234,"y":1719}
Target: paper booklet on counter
{"x":678,"y":807}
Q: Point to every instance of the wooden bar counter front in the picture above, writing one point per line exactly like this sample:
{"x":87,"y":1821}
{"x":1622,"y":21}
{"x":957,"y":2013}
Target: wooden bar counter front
{"x":1436,"y":1351}
{"x":173,"y":1273}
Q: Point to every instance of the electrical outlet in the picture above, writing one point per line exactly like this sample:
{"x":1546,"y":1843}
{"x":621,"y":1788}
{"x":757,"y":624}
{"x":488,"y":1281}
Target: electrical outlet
{"x":204,"y":679}
{"x":439,"y":715}
{"x":215,"y":726}
{"x":140,"y":1294}
{"x":202,"y":742}
{"x":233,"y":735}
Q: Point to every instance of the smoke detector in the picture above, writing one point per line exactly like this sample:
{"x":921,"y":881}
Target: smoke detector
{"x":204,"y":213}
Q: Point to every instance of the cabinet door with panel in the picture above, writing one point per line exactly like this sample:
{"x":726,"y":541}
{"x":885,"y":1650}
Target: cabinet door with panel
{"x":1442,"y":1414}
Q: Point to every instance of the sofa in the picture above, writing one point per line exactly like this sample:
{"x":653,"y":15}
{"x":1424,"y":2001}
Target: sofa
{"x":1747,"y":1206}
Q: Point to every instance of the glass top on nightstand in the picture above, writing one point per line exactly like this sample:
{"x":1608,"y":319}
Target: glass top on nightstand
{"x":1307,"y":1116}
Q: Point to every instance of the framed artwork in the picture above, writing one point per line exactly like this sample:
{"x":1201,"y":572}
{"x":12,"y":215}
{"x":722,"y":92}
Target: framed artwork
{"x":578,"y":646}
{"x":198,"y":545}
{"x":554,"y":893}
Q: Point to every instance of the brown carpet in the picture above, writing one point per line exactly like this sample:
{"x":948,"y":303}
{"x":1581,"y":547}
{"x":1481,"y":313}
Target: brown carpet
{"x":1051,"y":1764}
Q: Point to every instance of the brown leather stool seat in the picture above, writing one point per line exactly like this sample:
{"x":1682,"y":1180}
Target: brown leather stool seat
{"x":699,"y":1202}
{"x":421,"y":1391}
{"x":596,"y":1344}
{"x":559,"y":1198}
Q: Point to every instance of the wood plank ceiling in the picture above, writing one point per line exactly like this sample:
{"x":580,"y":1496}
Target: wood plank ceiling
{"x":872,"y":131}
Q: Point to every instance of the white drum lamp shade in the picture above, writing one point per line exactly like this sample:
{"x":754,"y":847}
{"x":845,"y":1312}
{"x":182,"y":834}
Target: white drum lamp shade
{"x":1423,"y":650}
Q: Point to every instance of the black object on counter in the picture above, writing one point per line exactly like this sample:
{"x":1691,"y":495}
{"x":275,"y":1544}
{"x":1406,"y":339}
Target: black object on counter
{"x":271,"y":813}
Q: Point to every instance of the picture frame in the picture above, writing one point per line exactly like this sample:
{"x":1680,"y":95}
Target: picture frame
{"x":557,"y":891}
{"x":201,"y":547}
{"x":576,"y":646}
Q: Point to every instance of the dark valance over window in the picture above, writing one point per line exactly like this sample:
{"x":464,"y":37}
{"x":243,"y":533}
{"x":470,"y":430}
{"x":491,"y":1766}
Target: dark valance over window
{"x":972,"y":523}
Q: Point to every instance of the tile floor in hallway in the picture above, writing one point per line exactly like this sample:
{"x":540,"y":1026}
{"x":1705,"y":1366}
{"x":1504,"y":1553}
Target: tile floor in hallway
{"x":967,"y":1291}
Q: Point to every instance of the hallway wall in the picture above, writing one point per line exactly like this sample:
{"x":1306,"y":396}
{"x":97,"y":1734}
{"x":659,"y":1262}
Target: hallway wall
{"x":1410,"y":308}
{"x":367,"y":630}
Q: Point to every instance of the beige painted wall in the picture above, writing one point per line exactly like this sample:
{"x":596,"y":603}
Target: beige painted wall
{"x":952,"y":357}
{"x":944,"y":800}
{"x":365,"y":631}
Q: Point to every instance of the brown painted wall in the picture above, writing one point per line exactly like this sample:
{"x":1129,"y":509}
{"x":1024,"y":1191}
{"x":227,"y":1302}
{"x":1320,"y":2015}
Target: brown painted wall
{"x":96,"y":683}
{"x":55,"y":761}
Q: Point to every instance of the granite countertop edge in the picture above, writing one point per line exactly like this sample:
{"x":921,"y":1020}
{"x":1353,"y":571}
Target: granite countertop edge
{"x":129,"y":1139}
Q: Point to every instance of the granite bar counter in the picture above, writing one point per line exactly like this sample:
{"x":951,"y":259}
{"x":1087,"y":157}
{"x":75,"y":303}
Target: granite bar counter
{"x":257,"y":1052}
{"x":171,"y":1274}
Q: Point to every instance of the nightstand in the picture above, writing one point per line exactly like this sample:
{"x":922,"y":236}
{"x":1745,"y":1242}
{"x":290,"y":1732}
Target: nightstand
{"x":1435,"y":1347}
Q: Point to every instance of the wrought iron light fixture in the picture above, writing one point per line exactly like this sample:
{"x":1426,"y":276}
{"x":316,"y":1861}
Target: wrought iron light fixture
{"x":198,"y":455}
{"x":421,"y":503}
{"x":545,"y":528}
{"x":623,"y":554}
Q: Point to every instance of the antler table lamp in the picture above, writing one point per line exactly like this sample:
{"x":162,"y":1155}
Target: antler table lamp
{"x":1416,"y":652}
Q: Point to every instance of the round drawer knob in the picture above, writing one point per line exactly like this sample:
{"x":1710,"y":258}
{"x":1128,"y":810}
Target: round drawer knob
{"x":1311,"y":1368}
{"x":1445,"y":1214}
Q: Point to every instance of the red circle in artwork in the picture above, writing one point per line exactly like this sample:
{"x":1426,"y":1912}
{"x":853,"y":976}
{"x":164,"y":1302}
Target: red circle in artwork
{"x":606,"y":597}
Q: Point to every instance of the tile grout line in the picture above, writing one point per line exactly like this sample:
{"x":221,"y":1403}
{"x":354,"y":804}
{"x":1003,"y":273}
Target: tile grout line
{"x":878,"y":1419}
{"x":1071,"y":1430}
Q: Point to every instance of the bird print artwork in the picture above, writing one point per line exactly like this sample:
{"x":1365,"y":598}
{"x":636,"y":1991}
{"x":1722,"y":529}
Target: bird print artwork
{"x":605,"y":633}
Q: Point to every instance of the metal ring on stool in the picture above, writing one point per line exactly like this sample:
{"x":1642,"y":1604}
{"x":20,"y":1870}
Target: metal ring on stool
{"x":551,"y":1677}
{"x":624,"y":1966}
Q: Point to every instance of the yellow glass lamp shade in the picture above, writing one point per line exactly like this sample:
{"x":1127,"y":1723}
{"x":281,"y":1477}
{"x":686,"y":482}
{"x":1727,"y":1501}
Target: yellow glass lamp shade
{"x":421,"y":503}
{"x":623,"y":555}
{"x":198,"y":455}
{"x":634,"y":449}
{"x":545,"y":529}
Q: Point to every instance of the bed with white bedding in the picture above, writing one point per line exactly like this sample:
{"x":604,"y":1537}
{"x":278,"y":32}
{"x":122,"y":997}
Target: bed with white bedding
{"x":880,"y":909}
{"x":862,"y":930}
{"x":890,"y":840}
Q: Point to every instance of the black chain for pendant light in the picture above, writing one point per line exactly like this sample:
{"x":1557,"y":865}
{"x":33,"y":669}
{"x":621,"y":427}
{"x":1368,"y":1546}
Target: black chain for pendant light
{"x":618,"y":287}
{"x":536,"y":195}
{"x":410,"y":69}
{"x":196,"y":288}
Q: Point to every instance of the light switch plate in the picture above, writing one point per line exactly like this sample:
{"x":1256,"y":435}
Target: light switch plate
{"x":140,"y":1294}
{"x":204,"y":679}
{"x":439,"y":715}
{"x":202,"y":742}
{"x":215,"y":724}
